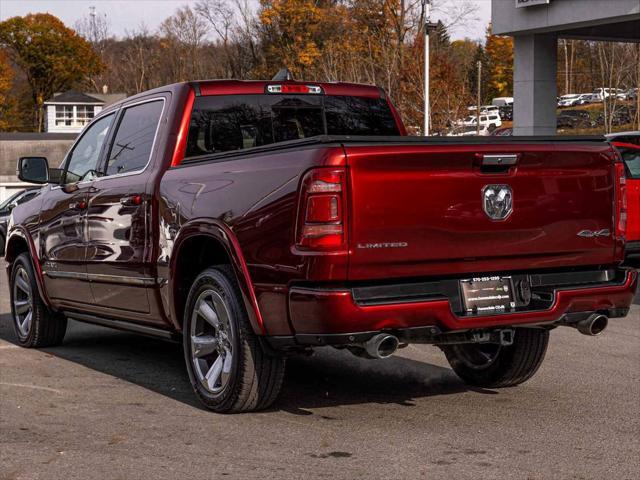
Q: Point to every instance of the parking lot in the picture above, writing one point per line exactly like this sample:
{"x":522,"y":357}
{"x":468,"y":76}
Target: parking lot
{"x":112,"y":405}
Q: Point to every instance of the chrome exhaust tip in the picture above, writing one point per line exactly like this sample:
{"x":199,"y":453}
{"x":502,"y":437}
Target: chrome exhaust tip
{"x":381,"y":346}
{"x":594,"y":325}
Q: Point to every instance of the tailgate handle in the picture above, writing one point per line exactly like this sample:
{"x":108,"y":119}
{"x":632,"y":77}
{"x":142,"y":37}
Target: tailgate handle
{"x":499,"y":159}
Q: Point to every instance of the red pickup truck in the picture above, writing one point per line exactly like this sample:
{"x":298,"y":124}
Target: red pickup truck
{"x":628,"y":144}
{"x":255,"y":220}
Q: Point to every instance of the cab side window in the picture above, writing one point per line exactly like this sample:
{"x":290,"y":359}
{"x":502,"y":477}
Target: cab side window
{"x":133,"y":140}
{"x":83,"y":159}
{"x":28,"y":195}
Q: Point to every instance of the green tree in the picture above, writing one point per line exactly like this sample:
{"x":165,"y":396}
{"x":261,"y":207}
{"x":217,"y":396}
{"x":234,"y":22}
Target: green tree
{"x":53,"y":57}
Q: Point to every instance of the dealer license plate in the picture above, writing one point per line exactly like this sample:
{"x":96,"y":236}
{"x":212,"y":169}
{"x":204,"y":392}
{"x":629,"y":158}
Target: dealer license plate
{"x":487,"y":295}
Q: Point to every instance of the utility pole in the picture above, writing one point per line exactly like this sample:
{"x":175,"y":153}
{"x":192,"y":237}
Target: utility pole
{"x":479,"y":97}
{"x":92,"y":14}
{"x":427,"y":6}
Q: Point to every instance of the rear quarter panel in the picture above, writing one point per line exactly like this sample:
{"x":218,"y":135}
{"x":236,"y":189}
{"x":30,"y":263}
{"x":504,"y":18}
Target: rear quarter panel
{"x":256,"y":198}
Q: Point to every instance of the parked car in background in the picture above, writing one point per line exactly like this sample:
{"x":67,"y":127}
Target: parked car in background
{"x":622,"y":115}
{"x":577,"y":118}
{"x":602,"y":93}
{"x":484,"y":109}
{"x":19,"y":197}
{"x":568,"y":100}
{"x":502,"y":132}
{"x":565,"y":122}
{"x":632,"y":137}
{"x":491,"y":120}
{"x":586,"y":98}
{"x":469,"y":131}
{"x":628,"y":144}
{"x":506,"y":113}
{"x":502,"y":101}
{"x":577,"y":99}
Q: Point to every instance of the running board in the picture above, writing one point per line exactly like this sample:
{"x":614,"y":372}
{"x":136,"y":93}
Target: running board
{"x":122,"y":325}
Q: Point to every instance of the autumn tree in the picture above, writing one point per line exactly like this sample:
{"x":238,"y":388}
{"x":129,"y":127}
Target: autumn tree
{"x":53,"y":57}
{"x":499,"y":52}
{"x":6,"y":77}
{"x":293,"y":33}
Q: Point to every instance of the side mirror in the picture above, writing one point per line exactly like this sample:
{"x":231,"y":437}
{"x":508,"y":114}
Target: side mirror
{"x":33,"y":169}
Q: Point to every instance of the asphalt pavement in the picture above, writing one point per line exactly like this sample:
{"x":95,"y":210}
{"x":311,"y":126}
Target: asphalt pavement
{"x":113,"y":405}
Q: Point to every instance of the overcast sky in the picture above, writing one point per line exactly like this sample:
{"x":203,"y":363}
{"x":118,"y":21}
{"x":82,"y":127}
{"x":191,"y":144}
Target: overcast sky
{"x":128,"y":15}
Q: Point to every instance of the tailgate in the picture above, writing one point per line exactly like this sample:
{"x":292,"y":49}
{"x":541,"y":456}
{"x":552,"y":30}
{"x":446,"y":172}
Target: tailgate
{"x":418,"y":209}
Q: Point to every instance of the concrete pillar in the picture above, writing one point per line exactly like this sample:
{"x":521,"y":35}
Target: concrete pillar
{"x":534,"y":84}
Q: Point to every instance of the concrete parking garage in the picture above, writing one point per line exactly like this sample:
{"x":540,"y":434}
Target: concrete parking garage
{"x":536,"y":26}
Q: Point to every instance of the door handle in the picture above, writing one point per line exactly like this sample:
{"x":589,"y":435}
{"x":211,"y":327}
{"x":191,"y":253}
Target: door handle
{"x":132,"y":200}
{"x":81,"y":205}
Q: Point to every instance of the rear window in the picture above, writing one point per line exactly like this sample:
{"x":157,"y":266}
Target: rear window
{"x":631,"y":159}
{"x":235,"y":122}
{"x":131,"y":147}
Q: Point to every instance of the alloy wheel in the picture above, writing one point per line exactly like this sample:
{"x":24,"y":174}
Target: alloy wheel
{"x":212,"y":340}
{"x":22,"y":301}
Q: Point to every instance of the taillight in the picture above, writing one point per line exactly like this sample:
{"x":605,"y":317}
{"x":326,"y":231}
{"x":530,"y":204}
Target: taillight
{"x":321,"y":219}
{"x":621,"y":200}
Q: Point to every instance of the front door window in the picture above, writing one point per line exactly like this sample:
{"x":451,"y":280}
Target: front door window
{"x":83,"y":159}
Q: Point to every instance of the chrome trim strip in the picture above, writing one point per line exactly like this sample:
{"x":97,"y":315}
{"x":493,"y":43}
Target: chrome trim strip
{"x":101,"y":278}
{"x":72,"y":275}
{"x":119,"y":279}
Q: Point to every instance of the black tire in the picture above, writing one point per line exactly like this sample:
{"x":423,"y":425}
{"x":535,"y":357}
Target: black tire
{"x":255,"y":376}
{"x":44,"y":328}
{"x":494,"y":366}
{"x":2,"y":240}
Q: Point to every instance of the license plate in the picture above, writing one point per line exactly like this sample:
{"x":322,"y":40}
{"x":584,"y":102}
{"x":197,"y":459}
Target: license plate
{"x":487,"y":295}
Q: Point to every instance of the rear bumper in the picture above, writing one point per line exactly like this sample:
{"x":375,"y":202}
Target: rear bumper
{"x":317,"y":315}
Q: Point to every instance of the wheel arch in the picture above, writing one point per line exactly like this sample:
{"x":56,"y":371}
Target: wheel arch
{"x":18,"y":242}
{"x":200,"y":244}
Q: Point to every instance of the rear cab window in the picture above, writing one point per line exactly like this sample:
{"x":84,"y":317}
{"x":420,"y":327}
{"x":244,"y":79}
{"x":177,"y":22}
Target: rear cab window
{"x":134,"y":137}
{"x":235,"y":122}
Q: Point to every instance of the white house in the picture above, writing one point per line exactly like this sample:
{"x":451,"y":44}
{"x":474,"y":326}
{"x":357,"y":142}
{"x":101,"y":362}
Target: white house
{"x":69,"y":112}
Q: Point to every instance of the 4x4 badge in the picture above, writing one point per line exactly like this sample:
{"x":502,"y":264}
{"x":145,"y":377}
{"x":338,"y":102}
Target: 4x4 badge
{"x":605,"y":232}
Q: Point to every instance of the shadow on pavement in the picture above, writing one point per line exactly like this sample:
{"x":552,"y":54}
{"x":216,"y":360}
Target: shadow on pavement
{"x":328,"y":378}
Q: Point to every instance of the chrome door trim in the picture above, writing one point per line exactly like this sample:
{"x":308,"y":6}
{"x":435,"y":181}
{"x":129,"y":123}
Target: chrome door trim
{"x":101,"y":278}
